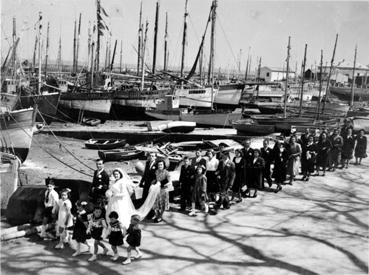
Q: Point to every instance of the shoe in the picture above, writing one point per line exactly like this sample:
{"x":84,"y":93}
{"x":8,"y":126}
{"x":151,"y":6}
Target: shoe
{"x":105,"y":251}
{"x":127,"y":261}
{"x":279,"y":188}
{"x":307,"y":179}
{"x":238,"y":200}
{"x":255,"y":195}
{"x":76,"y":253}
{"x":115,"y":257}
{"x":290,"y":182}
{"x":139,"y":256}
{"x":323,"y":175}
{"x":92,"y":258}
{"x":192,"y":213}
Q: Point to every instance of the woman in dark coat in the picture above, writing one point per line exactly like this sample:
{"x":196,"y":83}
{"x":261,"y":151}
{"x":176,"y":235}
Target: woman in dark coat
{"x":256,"y":172}
{"x":309,"y":152}
{"x":324,"y":146}
{"x":280,"y":157}
{"x":347,"y":148}
{"x":267,"y":155}
{"x":239,"y":179}
{"x":337,"y":143}
{"x":360,"y":149}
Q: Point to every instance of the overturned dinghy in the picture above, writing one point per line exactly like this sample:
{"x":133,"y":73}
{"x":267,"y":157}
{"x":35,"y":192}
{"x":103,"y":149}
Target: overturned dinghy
{"x":177,"y":127}
{"x":105,"y":144}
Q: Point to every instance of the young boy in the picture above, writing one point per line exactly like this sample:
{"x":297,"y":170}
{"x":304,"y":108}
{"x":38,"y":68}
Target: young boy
{"x":51,"y":198}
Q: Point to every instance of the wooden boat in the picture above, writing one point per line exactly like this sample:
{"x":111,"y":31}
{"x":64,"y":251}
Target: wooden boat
{"x":361,"y":122}
{"x":120,"y":154}
{"x":344,"y":93}
{"x":177,"y":127}
{"x":249,"y":128}
{"x":91,"y":121}
{"x":17,"y":131}
{"x":105,"y":144}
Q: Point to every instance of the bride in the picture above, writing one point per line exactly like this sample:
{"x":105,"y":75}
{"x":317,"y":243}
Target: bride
{"x":119,"y":198}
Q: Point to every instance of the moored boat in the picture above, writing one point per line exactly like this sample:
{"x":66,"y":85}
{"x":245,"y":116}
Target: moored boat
{"x":344,"y":93}
{"x":120,"y":154}
{"x":105,"y":144}
{"x":17,"y":131}
{"x":247,"y":127}
{"x":177,"y":127}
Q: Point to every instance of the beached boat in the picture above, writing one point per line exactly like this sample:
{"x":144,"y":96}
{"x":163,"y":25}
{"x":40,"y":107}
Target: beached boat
{"x":177,"y":127}
{"x":17,"y":131}
{"x":94,"y":103}
{"x":120,"y":154}
{"x":105,"y":144}
{"x":249,"y":128}
{"x":212,"y":118}
{"x":344,"y":93}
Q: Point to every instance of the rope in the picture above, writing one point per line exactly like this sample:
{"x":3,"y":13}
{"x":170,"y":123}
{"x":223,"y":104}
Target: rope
{"x":229,"y":44}
{"x":39,"y":144}
{"x":74,"y":156}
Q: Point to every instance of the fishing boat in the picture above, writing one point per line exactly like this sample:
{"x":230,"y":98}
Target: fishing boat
{"x":17,"y":131}
{"x":200,"y":97}
{"x":93,"y":103}
{"x":344,"y":93}
{"x":120,"y":154}
{"x":105,"y":144}
{"x":250,"y":128}
{"x":177,"y":127}
{"x":281,"y":123}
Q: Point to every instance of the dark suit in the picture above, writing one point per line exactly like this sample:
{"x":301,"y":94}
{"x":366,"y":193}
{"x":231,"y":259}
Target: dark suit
{"x":267,"y":155}
{"x":226,"y":175}
{"x":187,"y":181}
{"x":100,"y":184}
{"x":147,"y":178}
{"x":248,"y":156}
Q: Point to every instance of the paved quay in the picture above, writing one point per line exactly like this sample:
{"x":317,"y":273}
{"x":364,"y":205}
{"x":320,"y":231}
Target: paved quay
{"x":316,"y":227}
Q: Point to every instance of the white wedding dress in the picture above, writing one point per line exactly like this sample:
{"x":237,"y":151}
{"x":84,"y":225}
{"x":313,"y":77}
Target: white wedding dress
{"x":119,"y":200}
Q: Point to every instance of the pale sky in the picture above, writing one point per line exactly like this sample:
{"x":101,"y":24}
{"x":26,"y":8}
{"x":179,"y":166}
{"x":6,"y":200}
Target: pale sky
{"x":261,"y":26}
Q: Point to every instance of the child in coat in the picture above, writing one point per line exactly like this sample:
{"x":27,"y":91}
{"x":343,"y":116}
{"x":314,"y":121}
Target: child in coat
{"x":115,"y":233}
{"x":80,"y":227}
{"x":133,"y":238}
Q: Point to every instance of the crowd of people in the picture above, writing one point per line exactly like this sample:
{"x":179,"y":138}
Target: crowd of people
{"x":208,"y":182}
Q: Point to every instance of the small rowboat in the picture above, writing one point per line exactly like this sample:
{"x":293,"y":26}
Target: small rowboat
{"x":178,"y":127}
{"x":105,"y":144}
{"x":249,"y":128}
{"x":91,"y":121}
{"x":120,"y":154}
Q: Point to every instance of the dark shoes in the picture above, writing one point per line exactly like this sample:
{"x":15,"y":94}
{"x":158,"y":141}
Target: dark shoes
{"x":279,"y":188}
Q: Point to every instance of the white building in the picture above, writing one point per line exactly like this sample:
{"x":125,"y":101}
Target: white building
{"x":270,"y":74}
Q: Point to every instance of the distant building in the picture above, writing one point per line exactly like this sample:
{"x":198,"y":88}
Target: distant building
{"x":270,"y":74}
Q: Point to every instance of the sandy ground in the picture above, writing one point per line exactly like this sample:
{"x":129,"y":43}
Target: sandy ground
{"x":320,"y":227}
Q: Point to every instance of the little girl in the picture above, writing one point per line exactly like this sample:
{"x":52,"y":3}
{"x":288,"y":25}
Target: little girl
{"x":115,"y":233}
{"x":133,"y":238}
{"x":96,"y":225}
{"x":65,"y":219}
{"x":80,"y":227}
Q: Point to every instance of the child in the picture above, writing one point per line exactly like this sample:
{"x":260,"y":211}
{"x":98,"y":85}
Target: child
{"x":133,"y":238}
{"x":65,"y":219}
{"x":96,"y":225}
{"x":115,"y":233}
{"x":80,"y":227}
{"x":199,"y":194}
{"x":50,"y":201}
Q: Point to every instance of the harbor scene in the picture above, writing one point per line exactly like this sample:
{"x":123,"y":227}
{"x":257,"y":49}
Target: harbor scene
{"x":182,"y":136}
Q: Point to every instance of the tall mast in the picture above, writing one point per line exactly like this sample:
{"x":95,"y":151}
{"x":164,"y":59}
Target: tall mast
{"x":106,"y":64}
{"x":166,"y":43}
{"x":39,"y":51}
{"x":353,"y":79}
{"x":47,"y":47}
{"x":247,"y":67}
{"x":74,"y":47}
{"x":287,"y":74}
{"x":239,"y":63}
{"x":121,"y":55}
{"x":98,"y":24}
{"x":201,"y":62}
{"x":78,"y":38}
{"x":212,"y":43}
{"x":155,"y":37}
{"x":302,"y":80}
{"x":34,"y":52}
{"x":259,"y":68}
{"x":329,"y":74}
{"x":143,"y":57}
{"x":113,"y":57}
{"x":139,"y":50}
{"x":184,"y":38}
{"x":59,"y":55}
{"x":320,"y":84}
{"x":14,"y":61}
{"x":89,"y":45}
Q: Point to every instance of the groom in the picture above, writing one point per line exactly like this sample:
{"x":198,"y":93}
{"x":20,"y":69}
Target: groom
{"x":148,"y":176}
{"x":100,"y":184}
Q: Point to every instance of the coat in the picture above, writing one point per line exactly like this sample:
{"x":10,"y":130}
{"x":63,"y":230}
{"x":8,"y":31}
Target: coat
{"x":226,"y":174}
{"x":256,"y":173}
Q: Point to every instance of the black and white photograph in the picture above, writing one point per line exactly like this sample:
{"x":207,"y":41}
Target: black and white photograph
{"x":184,"y":137}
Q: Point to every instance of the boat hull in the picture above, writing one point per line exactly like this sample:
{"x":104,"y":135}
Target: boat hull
{"x":344,"y":93}
{"x":99,"y":145}
{"x":8,"y":101}
{"x":47,"y":105}
{"x":249,"y":129}
{"x":118,"y":155}
{"x":162,"y":115}
{"x":228,"y":96}
{"x":17,"y":132}
{"x":212,"y":119}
